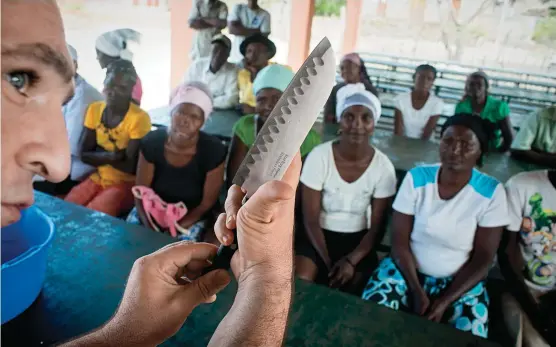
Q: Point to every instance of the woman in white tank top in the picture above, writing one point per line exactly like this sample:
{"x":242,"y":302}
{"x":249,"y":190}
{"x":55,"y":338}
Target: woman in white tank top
{"x":417,"y":112}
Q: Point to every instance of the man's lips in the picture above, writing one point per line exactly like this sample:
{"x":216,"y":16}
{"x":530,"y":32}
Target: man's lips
{"x":11,"y":213}
{"x":19,"y":206}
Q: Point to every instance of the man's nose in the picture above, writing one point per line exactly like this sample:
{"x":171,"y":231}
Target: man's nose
{"x":48,"y":154}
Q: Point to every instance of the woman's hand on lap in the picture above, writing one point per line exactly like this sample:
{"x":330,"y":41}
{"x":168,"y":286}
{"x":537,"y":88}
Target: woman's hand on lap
{"x":420,"y":302}
{"x":437,"y":310}
{"x":342,"y":272}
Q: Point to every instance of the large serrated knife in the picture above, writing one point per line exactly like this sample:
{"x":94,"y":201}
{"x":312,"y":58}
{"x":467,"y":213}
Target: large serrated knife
{"x":285,"y":130}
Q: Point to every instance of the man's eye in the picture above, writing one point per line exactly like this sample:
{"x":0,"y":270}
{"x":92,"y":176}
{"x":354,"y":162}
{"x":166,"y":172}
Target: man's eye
{"x":21,"y":80}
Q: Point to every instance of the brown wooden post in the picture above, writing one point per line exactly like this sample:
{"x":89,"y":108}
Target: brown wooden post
{"x":181,"y":39}
{"x":351,"y":29}
{"x":300,"y":32}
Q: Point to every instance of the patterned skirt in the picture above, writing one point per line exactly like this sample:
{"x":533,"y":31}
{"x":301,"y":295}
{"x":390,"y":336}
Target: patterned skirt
{"x":387,"y":287}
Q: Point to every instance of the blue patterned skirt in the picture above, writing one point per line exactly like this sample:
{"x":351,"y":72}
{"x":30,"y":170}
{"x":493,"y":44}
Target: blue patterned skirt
{"x":387,"y":287}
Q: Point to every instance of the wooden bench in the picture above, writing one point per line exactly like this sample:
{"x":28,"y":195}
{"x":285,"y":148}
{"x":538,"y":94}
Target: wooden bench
{"x":498,"y":77}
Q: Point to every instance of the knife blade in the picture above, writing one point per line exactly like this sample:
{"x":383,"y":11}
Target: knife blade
{"x":285,"y":130}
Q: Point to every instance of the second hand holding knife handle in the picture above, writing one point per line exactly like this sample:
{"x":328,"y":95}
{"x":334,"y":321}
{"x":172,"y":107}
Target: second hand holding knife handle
{"x":223,"y":256}
{"x":225,"y":253}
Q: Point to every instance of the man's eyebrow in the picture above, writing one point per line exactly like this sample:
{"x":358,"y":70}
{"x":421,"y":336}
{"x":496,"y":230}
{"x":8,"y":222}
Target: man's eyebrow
{"x":43,"y":54}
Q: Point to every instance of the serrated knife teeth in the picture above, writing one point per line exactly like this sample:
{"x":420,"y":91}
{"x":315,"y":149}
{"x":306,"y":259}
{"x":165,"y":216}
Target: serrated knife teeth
{"x":290,"y":120}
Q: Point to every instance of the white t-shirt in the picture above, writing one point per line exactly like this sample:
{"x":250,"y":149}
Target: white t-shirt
{"x":414,"y":121}
{"x":444,"y":230}
{"x":532,"y":206}
{"x":346,"y":206}
{"x":222,"y":84}
{"x":250,"y":19}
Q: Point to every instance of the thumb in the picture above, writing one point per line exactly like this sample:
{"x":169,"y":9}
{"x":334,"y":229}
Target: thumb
{"x":204,"y":289}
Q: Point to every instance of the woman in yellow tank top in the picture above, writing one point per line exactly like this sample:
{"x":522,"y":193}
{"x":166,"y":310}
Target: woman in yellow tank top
{"x":110,"y":142}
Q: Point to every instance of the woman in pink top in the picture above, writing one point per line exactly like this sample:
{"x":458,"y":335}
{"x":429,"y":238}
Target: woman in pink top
{"x":112,"y":46}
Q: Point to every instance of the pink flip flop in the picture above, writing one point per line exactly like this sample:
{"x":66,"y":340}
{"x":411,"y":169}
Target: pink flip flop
{"x":165,"y":215}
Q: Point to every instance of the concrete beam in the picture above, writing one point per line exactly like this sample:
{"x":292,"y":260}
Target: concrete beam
{"x":301,"y":24}
{"x":181,"y":39}
{"x":351,"y":28}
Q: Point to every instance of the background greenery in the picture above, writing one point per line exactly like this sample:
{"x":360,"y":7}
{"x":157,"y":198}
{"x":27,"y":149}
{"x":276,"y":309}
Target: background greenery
{"x":329,"y":8}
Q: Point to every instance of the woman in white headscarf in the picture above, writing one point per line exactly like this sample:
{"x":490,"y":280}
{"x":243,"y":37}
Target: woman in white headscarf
{"x":113,"y":45}
{"x":347,"y":185}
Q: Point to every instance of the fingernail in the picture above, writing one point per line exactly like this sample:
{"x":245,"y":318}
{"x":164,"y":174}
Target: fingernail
{"x":229,"y":219}
{"x":225,"y":238}
{"x":209,"y":261}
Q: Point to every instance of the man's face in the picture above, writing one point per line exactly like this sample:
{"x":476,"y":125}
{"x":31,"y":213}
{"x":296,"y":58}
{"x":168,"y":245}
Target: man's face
{"x":256,"y":54}
{"x":37,"y":80}
{"x":220,"y":54}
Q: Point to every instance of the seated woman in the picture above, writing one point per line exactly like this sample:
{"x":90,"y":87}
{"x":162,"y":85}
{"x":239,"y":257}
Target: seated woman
{"x":345,"y":183}
{"x":353,"y":71}
{"x":447,"y":223}
{"x":417,"y":112}
{"x":110,"y":142}
{"x":268,"y":87}
{"x":182,"y":163}
{"x":477,"y":102}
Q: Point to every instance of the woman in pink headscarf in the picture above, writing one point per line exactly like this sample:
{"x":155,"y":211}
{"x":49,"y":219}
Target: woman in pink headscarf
{"x":353,"y":71}
{"x":182,"y":163}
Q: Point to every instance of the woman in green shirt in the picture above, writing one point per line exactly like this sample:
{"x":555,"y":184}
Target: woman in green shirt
{"x":477,"y":102}
{"x":268,"y":87}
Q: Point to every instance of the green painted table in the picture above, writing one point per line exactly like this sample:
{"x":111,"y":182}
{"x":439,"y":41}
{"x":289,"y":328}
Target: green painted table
{"x":92,"y":255}
{"x":406,"y":153}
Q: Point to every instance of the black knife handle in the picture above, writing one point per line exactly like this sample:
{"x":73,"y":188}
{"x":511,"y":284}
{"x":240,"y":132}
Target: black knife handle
{"x":223,"y":256}
{"x":225,"y":253}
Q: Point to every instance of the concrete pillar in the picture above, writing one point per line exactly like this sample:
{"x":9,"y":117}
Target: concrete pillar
{"x":181,"y":39}
{"x":351,"y":28}
{"x":300,"y":32}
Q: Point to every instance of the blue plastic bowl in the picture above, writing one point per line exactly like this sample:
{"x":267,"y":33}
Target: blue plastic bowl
{"x":24,"y":252}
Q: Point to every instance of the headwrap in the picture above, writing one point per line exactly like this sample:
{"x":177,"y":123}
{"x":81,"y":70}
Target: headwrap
{"x":353,"y":57}
{"x":114,"y":43}
{"x":273,"y":76}
{"x":483,"y":129}
{"x":196,"y":93}
{"x":356,"y":94}
{"x":123,"y":67}
{"x":73,"y":52}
